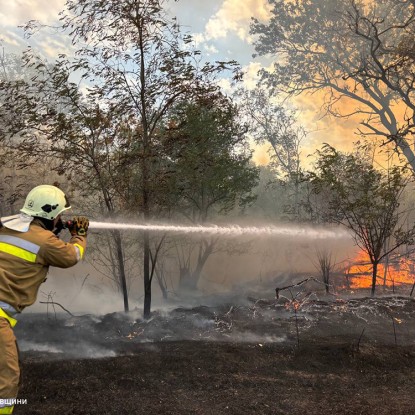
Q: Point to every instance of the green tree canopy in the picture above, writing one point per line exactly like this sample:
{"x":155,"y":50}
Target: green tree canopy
{"x":212,"y":158}
{"x":211,"y":170}
{"x":135,"y":65}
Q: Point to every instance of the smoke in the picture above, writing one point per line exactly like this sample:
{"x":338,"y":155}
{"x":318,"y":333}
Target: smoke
{"x":27,"y":345}
{"x":66,"y":349}
{"x":118,"y":333}
{"x":245,"y":259}
{"x":81,"y":290}
{"x":385,"y":320}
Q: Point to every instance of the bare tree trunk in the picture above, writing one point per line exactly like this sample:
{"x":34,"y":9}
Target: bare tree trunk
{"x":121,"y":269}
{"x":189,"y":279}
{"x":374,"y":276}
{"x":147,"y":279}
{"x":385,"y":274}
{"x":146,"y":236}
{"x":162,"y":285}
{"x":326,"y":282}
{"x":325,"y":265}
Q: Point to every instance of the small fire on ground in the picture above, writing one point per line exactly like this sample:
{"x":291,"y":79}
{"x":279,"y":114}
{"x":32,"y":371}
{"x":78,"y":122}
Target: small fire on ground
{"x":398,"y":271}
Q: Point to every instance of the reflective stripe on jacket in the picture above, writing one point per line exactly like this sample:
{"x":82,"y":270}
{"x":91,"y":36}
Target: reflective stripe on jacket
{"x":6,"y":410}
{"x":25,"y":258}
{"x":11,"y":320}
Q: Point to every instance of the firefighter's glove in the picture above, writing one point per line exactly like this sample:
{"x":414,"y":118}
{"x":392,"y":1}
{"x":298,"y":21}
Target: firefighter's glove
{"x":78,"y":226}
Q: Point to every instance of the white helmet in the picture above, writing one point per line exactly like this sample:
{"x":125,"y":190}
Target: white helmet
{"x":45,"y":202}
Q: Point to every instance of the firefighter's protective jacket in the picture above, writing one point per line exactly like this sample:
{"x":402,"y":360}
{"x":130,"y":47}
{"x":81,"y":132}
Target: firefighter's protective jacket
{"x":25,"y":258}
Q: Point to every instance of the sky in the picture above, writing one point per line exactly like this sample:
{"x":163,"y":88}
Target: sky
{"x":221,"y":31}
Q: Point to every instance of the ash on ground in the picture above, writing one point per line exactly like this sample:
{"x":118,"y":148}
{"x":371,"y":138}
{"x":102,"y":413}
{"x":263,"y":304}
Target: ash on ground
{"x":304,"y":319}
{"x":297,"y":355}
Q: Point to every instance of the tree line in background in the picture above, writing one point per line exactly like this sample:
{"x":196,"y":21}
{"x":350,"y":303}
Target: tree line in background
{"x":135,"y":126}
{"x":357,"y":57}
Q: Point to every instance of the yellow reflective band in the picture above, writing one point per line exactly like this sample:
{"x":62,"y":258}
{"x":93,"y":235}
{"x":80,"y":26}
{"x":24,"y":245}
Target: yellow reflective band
{"x":20,"y":243}
{"x":7,"y":410}
{"x":12,"y":322}
{"x":16,"y":251}
{"x":81,"y":249}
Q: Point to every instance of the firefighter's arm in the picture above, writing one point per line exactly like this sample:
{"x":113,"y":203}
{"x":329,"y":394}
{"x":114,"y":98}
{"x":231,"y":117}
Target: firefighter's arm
{"x":57,"y":253}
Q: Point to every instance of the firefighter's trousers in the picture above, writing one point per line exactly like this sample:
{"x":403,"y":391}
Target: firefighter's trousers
{"x":9,"y":366}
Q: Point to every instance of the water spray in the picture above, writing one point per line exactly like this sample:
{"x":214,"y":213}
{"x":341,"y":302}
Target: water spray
{"x":229,"y":230}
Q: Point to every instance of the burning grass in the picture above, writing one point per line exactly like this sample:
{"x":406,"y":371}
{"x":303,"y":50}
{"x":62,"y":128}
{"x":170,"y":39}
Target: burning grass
{"x":398,"y":271}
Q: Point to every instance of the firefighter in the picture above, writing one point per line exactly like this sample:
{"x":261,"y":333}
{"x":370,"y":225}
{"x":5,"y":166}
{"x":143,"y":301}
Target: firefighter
{"x":29,"y":244}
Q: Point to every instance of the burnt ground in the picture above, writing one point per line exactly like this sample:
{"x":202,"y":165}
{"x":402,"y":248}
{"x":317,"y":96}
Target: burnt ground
{"x":261,"y":356}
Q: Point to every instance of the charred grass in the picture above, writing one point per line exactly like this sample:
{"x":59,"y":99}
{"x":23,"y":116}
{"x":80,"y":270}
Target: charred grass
{"x":192,"y":377}
{"x":338,"y":367}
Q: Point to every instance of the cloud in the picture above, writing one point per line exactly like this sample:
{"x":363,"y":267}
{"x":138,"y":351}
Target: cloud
{"x":198,"y":39}
{"x":210,"y":49}
{"x":234,"y":16}
{"x":251,"y":76}
{"x":226,"y":85}
{"x":217,"y":28}
{"x":52,"y":47}
{"x":11,"y":38}
{"x":18,"y":12}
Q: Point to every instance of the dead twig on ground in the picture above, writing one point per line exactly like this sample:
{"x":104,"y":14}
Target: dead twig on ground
{"x":278,"y":289}
{"x":53,"y":303}
{"x":389,"y":313}
{"x":296,"y":305}
{"x":394,"y":330}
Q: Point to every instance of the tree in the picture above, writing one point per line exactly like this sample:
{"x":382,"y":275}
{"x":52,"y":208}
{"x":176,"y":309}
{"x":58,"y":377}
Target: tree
{"x":356,"y":52}
{"x":13,"y":184}
{"x":365,"y":200}
{"x":79,"y":138}
{"x":325,"y":264}
{"x":140,"y":65}
{"x":273,"y":124}
{"x":211,"y":169}
{"x":135,"y":65}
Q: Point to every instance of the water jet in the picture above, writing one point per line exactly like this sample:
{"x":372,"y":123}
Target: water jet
{"x":228,"y":230}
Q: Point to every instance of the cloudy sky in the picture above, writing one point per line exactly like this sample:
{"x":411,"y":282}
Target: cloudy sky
{"x":221,"y":30}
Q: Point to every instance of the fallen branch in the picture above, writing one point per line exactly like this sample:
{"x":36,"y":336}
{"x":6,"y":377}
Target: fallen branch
{"x":60,"y":305}
{"x":277,"y":290}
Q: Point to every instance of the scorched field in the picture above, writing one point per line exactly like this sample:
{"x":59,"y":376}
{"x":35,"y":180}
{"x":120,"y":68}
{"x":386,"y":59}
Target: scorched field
{"x":298,"y":355}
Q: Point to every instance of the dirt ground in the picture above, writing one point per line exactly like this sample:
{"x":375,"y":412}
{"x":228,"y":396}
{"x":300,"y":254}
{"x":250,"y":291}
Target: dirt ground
{"x":337,"y":356}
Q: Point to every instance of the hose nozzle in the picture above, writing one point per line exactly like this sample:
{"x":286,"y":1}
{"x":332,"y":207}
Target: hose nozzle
{"x":67,"y":224}
{"x":62,"y":224}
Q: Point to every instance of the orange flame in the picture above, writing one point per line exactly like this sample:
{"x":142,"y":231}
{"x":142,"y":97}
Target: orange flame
{"x":398,"y":271}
